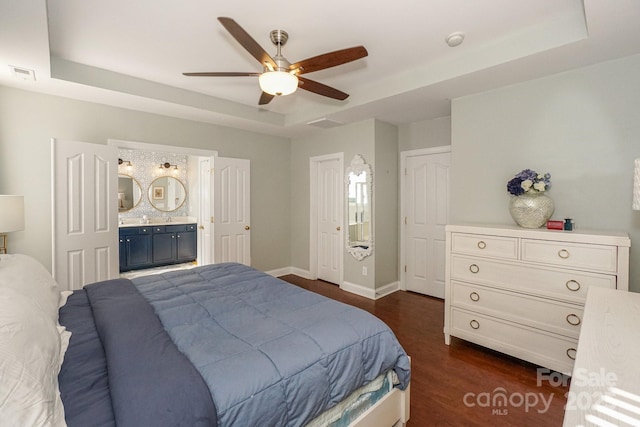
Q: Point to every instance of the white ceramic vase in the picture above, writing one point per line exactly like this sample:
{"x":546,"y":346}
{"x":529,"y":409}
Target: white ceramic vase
{"x":531,"y":209}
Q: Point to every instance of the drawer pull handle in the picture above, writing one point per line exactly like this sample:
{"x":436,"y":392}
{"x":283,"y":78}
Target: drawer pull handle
{"x":563,"y":253}
{"x":482,"y":244}
{"x":571,"y":353}
{"x":474,"y":296}
{"x":474,"y":268}
{"x":572,"y":285}
{"x":573,"y":319}
{"x":474,"y":324}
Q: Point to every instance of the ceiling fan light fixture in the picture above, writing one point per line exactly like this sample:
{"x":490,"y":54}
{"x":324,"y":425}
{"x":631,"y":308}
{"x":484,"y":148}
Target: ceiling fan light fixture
{"x":278,"y":83}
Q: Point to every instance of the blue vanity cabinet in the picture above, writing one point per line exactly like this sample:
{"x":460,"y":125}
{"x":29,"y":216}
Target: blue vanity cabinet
{"x":135,"y":248}
{"x":156,"y":245}
{"x":164,"y":245}
{"x":187,"y":243}
{"x":122,"y":250}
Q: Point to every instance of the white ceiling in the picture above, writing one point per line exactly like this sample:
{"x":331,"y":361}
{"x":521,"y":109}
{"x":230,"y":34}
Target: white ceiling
{"x":132,"y":54}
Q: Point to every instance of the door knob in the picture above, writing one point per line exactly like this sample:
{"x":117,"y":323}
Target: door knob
{"x":246,"y":227}
{"x":201,"y":227}
{"x":338,"y":228}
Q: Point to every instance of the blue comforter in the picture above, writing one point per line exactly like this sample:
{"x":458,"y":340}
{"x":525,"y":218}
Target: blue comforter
{"x":122,"y":368}
{"x":271,"y":353}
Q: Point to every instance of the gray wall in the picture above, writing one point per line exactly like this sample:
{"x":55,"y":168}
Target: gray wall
{"x":29,"y":120}
{"x":425,"y":134}
{"x":377,"y":143}
{"x":583,"y":127}
{"x":351,"y":139}
{"x":386,"y":185}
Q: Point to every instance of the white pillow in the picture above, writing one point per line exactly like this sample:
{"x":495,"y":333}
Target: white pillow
{"x":32,"y":346}
{"x":30,"y":278}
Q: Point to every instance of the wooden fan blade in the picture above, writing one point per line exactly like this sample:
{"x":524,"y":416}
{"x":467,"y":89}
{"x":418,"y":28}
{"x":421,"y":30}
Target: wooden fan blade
{"x":321,"y":89}
{"x":265,"y":98}
{"x":247,"y":41}
{"x":221,"y":74}
{"x":329,"y":60}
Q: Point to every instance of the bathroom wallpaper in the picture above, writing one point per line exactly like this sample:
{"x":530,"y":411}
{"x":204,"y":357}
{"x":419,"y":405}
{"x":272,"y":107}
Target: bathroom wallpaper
{"x":145,"y":169}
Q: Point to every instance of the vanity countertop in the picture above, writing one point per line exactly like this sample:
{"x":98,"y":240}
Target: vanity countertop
{"x":176,"y":220}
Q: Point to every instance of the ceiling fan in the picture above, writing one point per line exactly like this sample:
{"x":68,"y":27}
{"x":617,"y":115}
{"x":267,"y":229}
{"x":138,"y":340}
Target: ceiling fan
{"x":280,"y":77}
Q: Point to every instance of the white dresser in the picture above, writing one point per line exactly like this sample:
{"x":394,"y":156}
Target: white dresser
{"x":522,"y":291}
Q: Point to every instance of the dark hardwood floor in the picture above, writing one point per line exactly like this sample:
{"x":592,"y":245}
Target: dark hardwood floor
{"x":461,"y":384}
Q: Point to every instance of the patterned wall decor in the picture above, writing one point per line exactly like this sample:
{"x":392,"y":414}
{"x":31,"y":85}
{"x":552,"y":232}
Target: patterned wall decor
{"x":145,"y":168}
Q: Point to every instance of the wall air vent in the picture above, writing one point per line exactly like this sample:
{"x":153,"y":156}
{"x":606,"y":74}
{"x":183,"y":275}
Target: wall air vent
{"x":22,"y":73}
{"x":325,"y":123}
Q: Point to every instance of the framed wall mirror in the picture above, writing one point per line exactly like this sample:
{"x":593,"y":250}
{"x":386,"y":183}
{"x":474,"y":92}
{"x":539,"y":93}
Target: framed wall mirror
{"x":167,"y":193}
{"x":129,"y":193}
{"x":359,"y":182}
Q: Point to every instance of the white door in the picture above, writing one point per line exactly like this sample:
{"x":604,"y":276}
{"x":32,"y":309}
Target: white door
{"x":232,"y":219}
{"x":85,"y":213}
{"x":426,"y":212}
{"x":329,"y":208}
{"x":205,"y":235}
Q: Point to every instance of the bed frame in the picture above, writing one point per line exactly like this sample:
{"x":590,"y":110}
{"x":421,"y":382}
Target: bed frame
{"x":390,"y":411}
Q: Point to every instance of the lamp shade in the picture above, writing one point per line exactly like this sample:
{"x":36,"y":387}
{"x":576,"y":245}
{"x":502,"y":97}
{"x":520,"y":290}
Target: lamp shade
{"x":636,"y":187}
{"x":11,"y":213}
{"x":278,"y":82}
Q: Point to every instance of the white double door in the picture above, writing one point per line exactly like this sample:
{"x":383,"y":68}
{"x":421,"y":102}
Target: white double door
{"x":85,"y":212}
{"x":231,"y":204}
{"x":225,"y":210}
{"x":425,"y":206}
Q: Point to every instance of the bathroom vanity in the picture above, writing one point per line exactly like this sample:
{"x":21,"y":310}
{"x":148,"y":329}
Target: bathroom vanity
{"x":157,"y":244}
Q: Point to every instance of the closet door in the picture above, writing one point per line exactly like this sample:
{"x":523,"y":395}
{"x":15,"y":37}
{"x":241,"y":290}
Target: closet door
{"x":425,"y":203}
{"x":85,"y":213}
{"x":329,"y":215}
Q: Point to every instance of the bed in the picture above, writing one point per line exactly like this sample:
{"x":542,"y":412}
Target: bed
{"x":223,"y":345}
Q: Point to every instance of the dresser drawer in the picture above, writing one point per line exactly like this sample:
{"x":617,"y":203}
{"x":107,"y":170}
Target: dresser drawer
{"x":490,"y":246}
{"x":536,"y":346}
{"x":554,"y":316}
{"x":582,"y":256}
{"x":567,"y":285}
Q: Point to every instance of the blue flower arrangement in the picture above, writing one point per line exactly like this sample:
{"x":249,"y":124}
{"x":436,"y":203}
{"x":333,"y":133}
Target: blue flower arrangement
{"x":529,"y":181}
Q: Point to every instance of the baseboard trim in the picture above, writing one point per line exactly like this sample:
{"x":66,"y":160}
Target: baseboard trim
{"x":279,"y":272}
{"x":305,"y":274}
{"x":373,"y":294}
{"x":353,"y":288}
{"x":387,"y":289}
{"x":289,"y":270}
{"x":358,"y":290}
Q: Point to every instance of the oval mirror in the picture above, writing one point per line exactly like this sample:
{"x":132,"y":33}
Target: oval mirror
{"x":167,"y":193}
{"x":129,"y":193}
{"x":359,"y":217}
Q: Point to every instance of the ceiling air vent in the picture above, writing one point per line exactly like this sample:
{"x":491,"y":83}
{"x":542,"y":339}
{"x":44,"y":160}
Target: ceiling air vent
{"x":325,"y":123}
{"x":22,"y":73}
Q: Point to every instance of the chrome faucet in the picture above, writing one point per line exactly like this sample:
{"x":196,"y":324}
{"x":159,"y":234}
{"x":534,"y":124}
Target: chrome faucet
{"x":168,"y":219}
